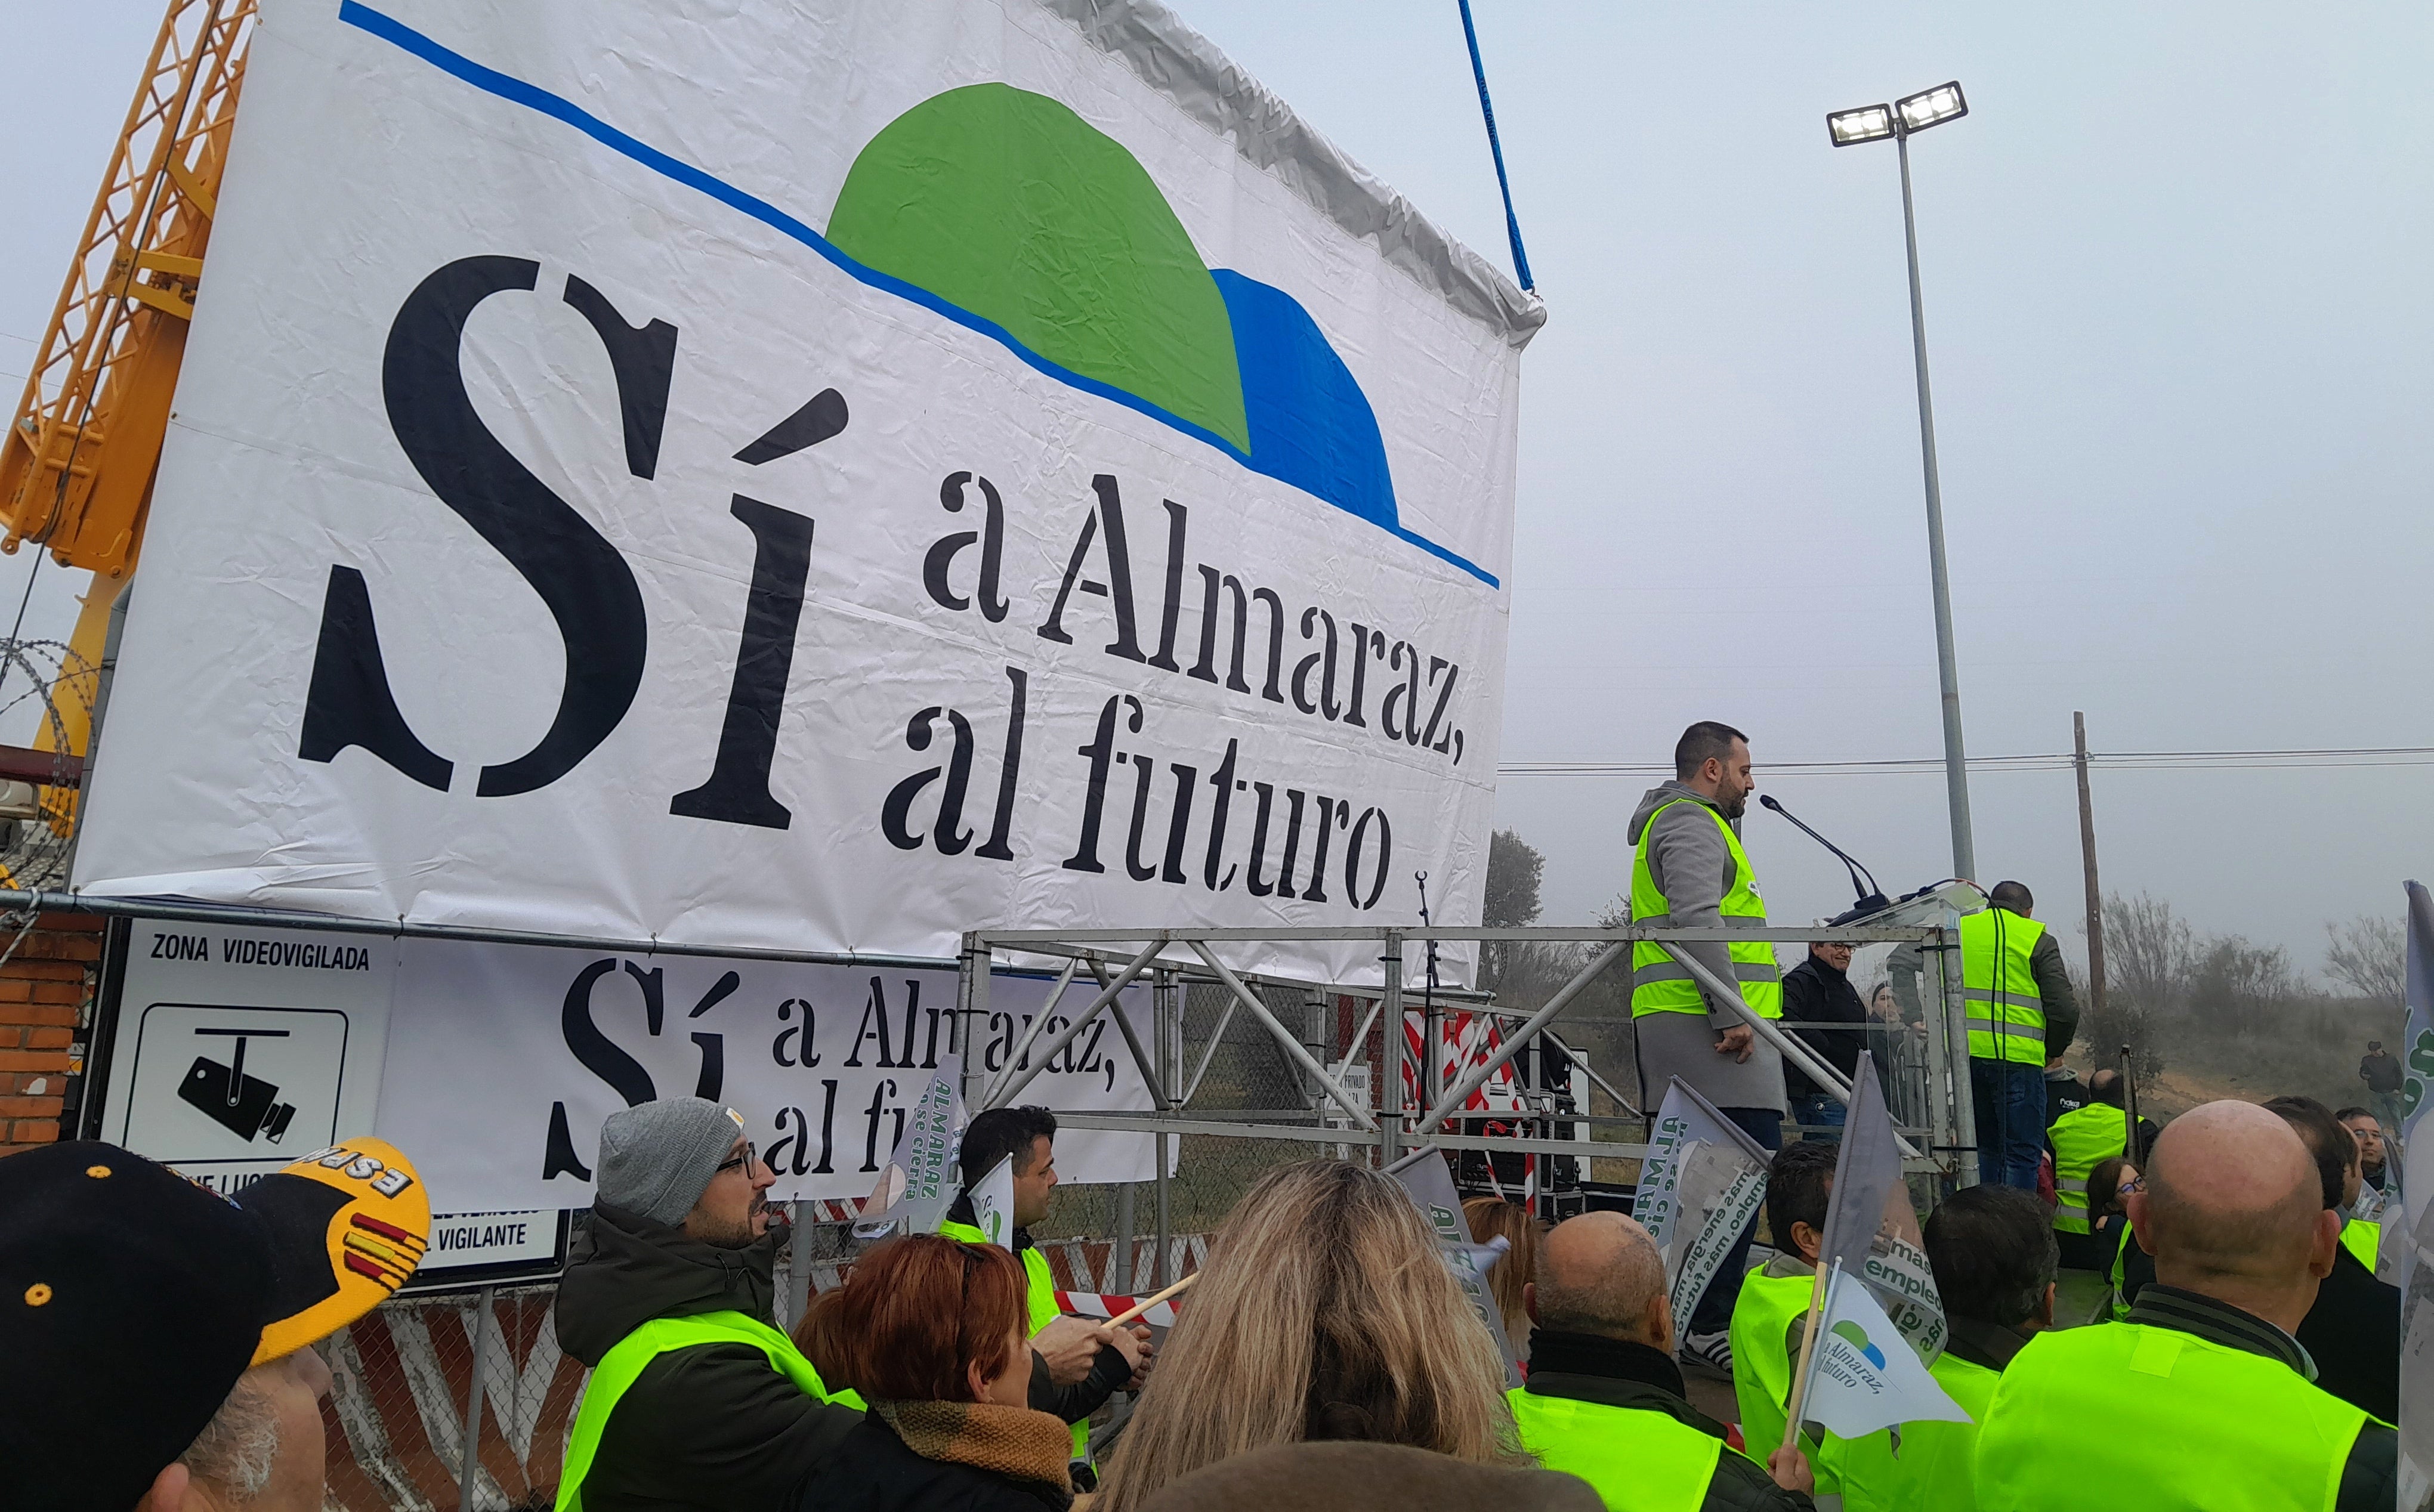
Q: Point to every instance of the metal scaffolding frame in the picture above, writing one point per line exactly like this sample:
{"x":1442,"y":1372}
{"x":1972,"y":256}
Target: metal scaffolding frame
{"x":1171,"y":957}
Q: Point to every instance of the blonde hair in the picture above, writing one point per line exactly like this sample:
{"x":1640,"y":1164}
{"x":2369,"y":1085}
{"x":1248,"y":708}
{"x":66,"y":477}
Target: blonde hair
{"x":1491,"y":1216}
{"x":1326,"y":1311}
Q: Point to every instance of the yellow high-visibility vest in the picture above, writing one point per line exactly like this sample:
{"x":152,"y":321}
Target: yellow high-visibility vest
{"x":627,"y":1359}
{"x":1637,"y":1459}
{"x":1660,"y":984}
{"x":2135,"y":1414}
{"x":2007,"y":1015}
{"x":1762,"y":1318}
{"x":2083,"y":1139}
{"x":2362,"y":1239}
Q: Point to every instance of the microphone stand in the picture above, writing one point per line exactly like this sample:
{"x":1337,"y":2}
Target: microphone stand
{"x":1869,"y":896}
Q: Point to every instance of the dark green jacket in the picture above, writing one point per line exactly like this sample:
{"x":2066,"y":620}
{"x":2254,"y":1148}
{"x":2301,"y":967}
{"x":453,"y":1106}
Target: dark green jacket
{"x":711,"y":1427}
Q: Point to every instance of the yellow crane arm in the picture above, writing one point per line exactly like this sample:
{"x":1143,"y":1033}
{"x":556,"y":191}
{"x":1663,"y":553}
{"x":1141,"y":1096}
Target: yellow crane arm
{"x":77,"y":463}
{"x":75,"y":469}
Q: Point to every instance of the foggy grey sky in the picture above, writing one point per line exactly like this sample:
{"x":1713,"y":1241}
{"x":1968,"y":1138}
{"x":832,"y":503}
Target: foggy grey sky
{"x":2176,"y":266}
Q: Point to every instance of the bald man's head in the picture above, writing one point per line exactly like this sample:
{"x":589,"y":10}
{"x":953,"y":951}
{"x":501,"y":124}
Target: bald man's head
{"x":1600,"y":1273}
{"x":2231,"y":1194}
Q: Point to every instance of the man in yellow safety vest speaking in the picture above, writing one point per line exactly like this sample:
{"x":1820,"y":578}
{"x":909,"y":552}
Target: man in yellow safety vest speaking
{"x":1688,"y":871}
{"x":2202,"y":1398}
{"x":695,"y":1399}
{"x":2022,"y":1017}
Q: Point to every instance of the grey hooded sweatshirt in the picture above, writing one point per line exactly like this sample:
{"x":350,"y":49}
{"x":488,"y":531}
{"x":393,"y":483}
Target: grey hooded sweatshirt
{"x":1691,"y":864}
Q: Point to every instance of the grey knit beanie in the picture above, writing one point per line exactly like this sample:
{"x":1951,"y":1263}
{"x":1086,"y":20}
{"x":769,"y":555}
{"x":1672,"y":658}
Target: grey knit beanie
{"x":657,"y":1158}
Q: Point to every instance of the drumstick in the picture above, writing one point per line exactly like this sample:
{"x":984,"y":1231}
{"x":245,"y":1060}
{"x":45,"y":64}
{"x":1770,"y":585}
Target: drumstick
{"x":1132,"y":1313}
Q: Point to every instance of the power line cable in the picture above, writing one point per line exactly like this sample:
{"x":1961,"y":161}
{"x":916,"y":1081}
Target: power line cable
{"x":2395,"y":756}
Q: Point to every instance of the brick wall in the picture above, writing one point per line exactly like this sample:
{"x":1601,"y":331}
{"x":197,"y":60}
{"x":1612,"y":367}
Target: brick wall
{"x":47,"y":996}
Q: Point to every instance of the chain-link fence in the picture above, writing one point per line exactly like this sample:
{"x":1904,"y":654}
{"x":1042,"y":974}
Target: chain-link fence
{"x":404,"y":1399}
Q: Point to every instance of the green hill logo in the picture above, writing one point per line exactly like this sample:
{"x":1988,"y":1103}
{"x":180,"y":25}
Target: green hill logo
{"x":1853,"y":1334}
{"x":1007,"y":214}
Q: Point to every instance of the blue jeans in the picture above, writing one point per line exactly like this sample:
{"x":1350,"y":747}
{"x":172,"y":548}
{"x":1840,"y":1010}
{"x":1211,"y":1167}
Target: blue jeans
{"x":2011,"y":1099}
{"x":1714,"y":1313}
{"x":1820,"y":1111}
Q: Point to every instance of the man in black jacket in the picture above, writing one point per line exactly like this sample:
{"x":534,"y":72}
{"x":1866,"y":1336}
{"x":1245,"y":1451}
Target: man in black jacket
{"x":1819,"y":991}
{"x":2353,"y":1330}
{"x":679,"y":1230}
{"x":1605,"y":1400}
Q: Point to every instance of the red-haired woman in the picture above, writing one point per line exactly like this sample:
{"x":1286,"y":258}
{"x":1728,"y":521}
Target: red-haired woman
{"x":932,"y":1332}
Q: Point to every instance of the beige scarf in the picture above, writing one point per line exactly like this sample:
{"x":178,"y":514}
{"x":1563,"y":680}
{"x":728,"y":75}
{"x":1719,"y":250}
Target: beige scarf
{"x":1015,"y":1442}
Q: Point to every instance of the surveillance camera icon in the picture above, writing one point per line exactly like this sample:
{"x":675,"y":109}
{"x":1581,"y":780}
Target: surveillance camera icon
{"x":244,"y":1105}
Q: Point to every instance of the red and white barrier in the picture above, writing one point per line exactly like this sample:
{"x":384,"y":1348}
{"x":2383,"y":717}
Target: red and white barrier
{"x":1097,"y":1304}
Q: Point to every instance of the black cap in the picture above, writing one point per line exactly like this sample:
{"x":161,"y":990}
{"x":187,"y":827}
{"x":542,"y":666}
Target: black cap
{"x":130,"y":1300}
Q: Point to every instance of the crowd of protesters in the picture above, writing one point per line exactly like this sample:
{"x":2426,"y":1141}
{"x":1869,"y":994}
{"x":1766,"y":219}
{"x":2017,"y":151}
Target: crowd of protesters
{"x":159,"y":1351}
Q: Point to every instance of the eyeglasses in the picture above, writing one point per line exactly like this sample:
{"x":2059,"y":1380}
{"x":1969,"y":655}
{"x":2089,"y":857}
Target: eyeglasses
{"x":2134,"y":1184}
{"x":747,"y":1161}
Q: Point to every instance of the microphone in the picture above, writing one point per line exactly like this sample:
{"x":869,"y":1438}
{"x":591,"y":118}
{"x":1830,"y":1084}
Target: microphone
{"x":1871,"y":897}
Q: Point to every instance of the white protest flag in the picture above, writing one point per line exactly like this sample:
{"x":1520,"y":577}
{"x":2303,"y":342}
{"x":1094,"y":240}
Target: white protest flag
{"x":993,"y":1204}
{"x":1871,"y":1229}
{"x":1431,"y":1185}
{"x":1859,"y":1377}
{"x":2415,"y":1275}
{"x":918,"y":1183}
{"x":1700,"y":1183}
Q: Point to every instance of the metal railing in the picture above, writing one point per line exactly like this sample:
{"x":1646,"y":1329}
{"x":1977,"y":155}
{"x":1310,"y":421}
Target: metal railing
{"x":1933,"y":1101}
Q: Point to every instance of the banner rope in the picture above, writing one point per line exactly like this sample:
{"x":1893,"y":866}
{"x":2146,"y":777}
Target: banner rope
{"x":1496,"y":149}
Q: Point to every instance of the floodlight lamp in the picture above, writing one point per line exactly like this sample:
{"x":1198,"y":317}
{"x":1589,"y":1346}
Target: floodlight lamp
{"x":1931,"y":107}
{"x":1869,"y":123}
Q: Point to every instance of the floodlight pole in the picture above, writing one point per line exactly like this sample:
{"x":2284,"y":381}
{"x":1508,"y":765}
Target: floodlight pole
{"x":1955,"y":768}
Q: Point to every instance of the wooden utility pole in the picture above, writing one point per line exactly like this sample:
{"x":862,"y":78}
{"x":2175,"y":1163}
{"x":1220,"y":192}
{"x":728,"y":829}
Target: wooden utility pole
{"x":2088,"y":856}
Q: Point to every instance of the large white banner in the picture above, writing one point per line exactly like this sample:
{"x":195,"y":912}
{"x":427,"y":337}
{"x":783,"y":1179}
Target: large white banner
{"x":825,"y":475}
{"x":493,"y":1065}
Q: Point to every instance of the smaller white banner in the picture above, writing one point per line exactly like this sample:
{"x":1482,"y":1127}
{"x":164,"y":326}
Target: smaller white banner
{"x":504,"y":1059}
{"x":492,"y":1066}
